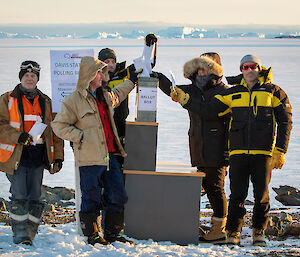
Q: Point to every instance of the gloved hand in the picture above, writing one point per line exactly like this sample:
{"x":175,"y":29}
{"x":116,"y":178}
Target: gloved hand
{"x":181,"y":97}
{"x":25,"y":139}
{"x":134,"y":74}
{"x":57,"y":165}
{"x":278,"y":159}
{"x":156,"y":74}
{"x":150,"y":39}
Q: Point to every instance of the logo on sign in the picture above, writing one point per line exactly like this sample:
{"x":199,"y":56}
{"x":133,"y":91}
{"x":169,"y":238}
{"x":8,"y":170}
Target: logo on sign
{"x":73,"y":56}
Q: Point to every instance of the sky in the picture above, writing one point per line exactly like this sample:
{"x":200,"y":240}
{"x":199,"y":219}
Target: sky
{"x":168,"y":11}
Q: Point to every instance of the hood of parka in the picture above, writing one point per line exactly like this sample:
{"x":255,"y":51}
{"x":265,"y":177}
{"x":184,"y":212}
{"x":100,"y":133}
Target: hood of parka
{"x":265,"y":76}
{"x":202,"y":62}
{"x":89,"y":66}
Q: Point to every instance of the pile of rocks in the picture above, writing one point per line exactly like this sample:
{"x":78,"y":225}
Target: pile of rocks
{"x":283,"y":225}
{"x":59,"y":206}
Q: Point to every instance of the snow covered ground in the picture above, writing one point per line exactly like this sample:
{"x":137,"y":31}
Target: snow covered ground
{"x":64,"y":241}
{"x":283,"y":55}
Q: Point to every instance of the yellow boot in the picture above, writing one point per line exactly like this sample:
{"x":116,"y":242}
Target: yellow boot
{"x":216,"y":234}
{"x":259,"y":237}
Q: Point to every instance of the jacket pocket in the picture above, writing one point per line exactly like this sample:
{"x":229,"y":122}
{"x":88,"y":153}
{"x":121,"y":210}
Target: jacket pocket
{"x":87,"y":118}
{"x":262,"y":135}
{"x":91,"y":149}
{"x":237,"y":135}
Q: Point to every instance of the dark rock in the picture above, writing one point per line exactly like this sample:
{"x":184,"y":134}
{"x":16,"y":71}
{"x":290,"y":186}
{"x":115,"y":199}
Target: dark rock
{"x":292,"y":230}
{"x":286,"y":218}
{"x":287,"y":195}
{"x":62,"y":193}
{"x":274,"y":226}
{"x":65,"y":204}
{"x":2,"y":205}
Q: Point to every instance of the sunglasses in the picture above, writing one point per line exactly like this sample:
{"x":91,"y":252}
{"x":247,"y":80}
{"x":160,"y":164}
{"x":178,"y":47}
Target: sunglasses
{"x":35,"y":67}
{"x":249,"y":66}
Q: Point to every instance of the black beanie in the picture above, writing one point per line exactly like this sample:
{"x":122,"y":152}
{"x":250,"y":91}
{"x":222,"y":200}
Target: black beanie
{"x":107,"y":53}
{"x":29,"y":66}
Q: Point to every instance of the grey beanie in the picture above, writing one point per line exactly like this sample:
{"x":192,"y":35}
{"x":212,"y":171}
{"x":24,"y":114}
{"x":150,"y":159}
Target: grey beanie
{"x":250,"y":58}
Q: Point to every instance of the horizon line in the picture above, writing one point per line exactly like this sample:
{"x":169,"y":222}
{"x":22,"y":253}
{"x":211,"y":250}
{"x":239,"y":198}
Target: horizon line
{"x":145,"y":22}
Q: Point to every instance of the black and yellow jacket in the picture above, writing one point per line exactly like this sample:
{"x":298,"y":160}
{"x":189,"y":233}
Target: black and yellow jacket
{"x":254,"y":114}
{"x":121,"y":112}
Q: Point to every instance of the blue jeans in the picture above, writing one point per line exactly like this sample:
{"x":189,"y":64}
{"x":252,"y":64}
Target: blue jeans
{"x":25,"y":183}
{"x":94,"y":179}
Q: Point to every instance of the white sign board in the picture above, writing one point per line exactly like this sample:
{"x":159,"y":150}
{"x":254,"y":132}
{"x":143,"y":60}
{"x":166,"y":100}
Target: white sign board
{"x":147,"y":99}
{"x":64,"y":66}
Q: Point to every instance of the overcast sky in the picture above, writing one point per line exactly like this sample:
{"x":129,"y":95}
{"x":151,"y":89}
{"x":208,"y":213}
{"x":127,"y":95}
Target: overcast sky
{"x":285,"y":12}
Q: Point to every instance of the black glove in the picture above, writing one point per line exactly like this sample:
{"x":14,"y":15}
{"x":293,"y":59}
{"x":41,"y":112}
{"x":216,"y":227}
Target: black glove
{"x":133,"y":74}
{"x":57,"y":165}
{"x":150,"y":39}
{"x":155,"y":74}
{"x":25,"y":139}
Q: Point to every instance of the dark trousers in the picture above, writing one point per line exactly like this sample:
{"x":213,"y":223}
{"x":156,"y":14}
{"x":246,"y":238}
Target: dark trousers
{"x":242,"y":169}
{"x":25,"y":183}
{"x":95,"y":179}
{"x":213,"y":184}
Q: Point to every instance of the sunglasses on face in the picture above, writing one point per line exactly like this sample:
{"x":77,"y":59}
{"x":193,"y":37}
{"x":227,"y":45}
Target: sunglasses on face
{"x":249,"y":66}
{"x":36,"y":67}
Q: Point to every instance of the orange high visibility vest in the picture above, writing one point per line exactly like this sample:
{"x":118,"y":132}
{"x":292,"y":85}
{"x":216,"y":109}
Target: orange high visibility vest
{"x":32,"y":113}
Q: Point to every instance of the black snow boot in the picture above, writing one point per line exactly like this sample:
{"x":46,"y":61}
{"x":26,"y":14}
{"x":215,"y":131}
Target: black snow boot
{"x":89,"y":226}
{"x":19,"y":222}
{"x":113,"y":225}
{"x":34,"y":218}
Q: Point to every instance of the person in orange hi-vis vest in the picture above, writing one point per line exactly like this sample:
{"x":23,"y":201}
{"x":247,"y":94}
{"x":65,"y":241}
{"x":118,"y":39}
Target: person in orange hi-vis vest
{"x":22,"y":159}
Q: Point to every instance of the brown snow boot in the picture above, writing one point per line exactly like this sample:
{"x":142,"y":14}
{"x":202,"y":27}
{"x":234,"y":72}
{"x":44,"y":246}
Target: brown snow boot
{"x":216,"y":234}
{"x":233,"y":238}
{"x":259,"y":237}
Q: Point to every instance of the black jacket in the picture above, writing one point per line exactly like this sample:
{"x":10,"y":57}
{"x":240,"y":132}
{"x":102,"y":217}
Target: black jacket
{"x":208,"y":137}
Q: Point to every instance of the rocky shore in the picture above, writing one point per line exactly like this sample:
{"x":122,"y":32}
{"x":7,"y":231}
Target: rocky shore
{"x":59,"y":206}
{"x":60,"y":209}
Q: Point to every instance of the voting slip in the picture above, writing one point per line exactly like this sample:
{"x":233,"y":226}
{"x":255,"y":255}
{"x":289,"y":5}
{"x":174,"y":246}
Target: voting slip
{"x":173,"y":81}
{"x":37,"y":131}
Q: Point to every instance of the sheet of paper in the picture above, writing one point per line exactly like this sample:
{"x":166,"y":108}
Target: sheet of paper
{"x":145,"y":61}
{"x":173,"y":81}
{"x":37,"y":131}
{"x":147,"y":99}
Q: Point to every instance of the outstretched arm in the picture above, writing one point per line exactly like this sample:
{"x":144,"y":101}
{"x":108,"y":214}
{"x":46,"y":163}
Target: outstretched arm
{"x":212,"y":109}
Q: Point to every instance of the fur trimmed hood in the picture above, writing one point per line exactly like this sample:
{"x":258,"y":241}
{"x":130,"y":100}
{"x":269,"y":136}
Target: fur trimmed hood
{"x":202,"y":62}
